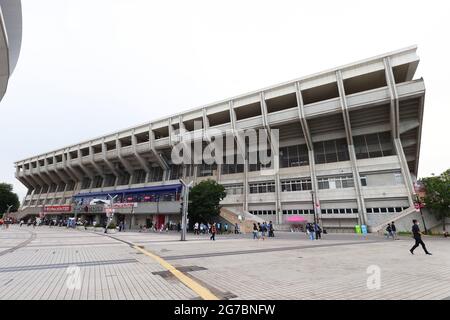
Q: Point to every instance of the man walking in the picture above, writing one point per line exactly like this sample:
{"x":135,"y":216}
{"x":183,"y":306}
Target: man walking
{"x":418,"y":237}
{"x":271,"y":229}
{"x":393,"y":230}
{"x":388,"y":230}
{"x":213,"y":232}
{"x":318,"y":231}
{"x":311,"y":231}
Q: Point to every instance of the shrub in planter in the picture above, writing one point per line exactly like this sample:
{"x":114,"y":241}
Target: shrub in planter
{"x":112,"y":225}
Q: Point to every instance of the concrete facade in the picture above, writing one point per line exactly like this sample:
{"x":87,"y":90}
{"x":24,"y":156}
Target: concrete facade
{"x":349,"y":142}
{"x":10,"y":39}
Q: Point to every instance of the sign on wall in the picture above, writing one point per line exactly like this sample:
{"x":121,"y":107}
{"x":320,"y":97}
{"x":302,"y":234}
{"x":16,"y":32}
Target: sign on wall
{"x":65,"y":208}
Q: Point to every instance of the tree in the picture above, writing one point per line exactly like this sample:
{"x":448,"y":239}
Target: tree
{"x":204,"y":199}
{"x":437,"y":195}
{"x":8,"y":198}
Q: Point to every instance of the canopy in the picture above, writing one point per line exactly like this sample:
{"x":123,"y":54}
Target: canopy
{"x":296,"y":219}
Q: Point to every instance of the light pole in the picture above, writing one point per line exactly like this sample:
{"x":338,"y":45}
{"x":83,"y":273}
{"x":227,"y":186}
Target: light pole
{"x":421,"y":214}
{"x":185,"y":194}
{"x":314,"y":206}
{"x":108,"y":221}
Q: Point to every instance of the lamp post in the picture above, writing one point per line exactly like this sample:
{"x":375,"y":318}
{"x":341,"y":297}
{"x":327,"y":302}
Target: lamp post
{"x":108,"y":221}
{"x":185,"y":194}
{"x":421,"y":214}
{"x":314,"y":206}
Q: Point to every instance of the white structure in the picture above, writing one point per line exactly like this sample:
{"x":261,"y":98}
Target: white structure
{"x":10,"y":39}
{"x":349,"y":143}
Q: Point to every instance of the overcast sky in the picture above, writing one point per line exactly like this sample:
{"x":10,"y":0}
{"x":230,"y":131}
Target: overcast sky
{"x":91,"y":67}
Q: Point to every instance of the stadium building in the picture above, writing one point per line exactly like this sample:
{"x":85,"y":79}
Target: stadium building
{"x":349,"y":144}
{"x":10,"y":40}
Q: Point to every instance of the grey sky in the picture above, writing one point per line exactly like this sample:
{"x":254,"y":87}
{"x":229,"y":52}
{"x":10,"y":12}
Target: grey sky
{"x":90,"y":67}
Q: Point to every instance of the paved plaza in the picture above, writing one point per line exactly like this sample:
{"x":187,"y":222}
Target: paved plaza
{"x":60,"y":263}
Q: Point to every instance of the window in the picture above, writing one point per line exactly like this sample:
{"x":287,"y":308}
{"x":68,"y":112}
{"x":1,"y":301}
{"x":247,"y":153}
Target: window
{"x":259,"y":165}
{"x":234,"y":189}
{"x":331,"y":151}
{"x":296,"y":185}
{"x":335,"y":182}
{"x":234,"y":167}
{"x":124,"y":179}
{"x":398,"y":178}
{"x":205,"y":170}
{"x":110,"y":180}
{"x":98,"y":181}
{"x":176,"y":172}
{"x":139,"y":176}
{"x":363,"y":181}
{"x":294,"y":156}
{"x":264,"y":187}
{"x":384,"y":210}
{"x":86,"y":183}
{"x":373,"y":145}
{"x":156,"y":174}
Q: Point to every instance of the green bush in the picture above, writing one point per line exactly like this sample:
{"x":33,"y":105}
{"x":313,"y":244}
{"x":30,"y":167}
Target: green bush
{"x":112,"y":225}
{"x":98,"y":225}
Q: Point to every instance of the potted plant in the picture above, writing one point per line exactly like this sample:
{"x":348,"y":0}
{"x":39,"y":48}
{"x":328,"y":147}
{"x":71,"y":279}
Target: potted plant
{"x":112,"y":227}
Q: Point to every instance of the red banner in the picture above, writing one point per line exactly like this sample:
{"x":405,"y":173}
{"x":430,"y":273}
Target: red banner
{"x":67,"y":208}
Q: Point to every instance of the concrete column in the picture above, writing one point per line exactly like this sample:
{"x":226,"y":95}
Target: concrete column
{"x":141,"y":160}
{"x":351,"y":149}
{"x":395,"y":125}
{"x":266,"y":124}
{"x":309,"y":144}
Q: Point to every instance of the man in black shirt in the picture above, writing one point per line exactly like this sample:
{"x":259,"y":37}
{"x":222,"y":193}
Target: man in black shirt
{"x":418,"y":237}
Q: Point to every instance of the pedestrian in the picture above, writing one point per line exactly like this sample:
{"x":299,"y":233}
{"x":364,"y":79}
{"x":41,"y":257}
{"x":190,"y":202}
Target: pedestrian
{"x":394,"y":231}
{"x":318,"y":231}
{"x":262,"y":233}
{"x":311,"y":231}
{"x":263,"y":230}
{"x":255,"y":231}
{"x":388,"y":230}
{"x":236,"y":228}
{"x":218,"y":227}
{"x":417,"y":235}
{"x":271,"y":229}
{"x":196,"y":228}
{"x":226,"y":227}
{"x":21,"y":222}
{"x":213,"y":232}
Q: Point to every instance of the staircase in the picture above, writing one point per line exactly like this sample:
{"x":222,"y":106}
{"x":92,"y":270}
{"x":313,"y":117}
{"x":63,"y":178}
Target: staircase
{"x":19,"y":215}
{"x":246,"y":224}
{"x":378,"y":221}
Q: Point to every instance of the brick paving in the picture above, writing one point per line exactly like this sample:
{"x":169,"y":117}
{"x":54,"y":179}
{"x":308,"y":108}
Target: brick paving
{"x":34,"y":264}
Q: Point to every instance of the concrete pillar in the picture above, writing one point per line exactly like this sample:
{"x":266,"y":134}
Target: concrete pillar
{"x":395,"y":126}
{"x":351,"y":150}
